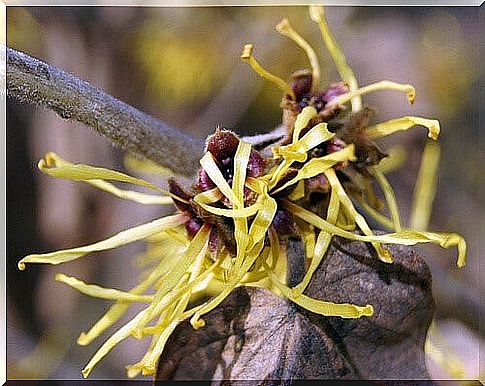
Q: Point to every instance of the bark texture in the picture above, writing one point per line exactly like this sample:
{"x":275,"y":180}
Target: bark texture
{"x":32,"y":81}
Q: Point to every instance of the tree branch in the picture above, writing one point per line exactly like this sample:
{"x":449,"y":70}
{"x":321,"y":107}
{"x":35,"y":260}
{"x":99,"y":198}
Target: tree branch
{"x":32,"y":81}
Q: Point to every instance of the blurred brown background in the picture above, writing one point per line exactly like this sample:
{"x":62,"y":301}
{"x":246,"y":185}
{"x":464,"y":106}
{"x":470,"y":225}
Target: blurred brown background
{"x":182,"y":65}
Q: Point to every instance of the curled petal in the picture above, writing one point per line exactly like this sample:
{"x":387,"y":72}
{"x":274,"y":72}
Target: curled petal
{"x":403,"y":237}
{"x":247,"y":56}
{"x":318,"y":165}
{"x":318,"y":16}
{"x":286,"y":29}
{"x":404,"y":123}
{"x":125,"y":237}
{"x":55,"y":166}
{"x":343,"y":310}
{"x":382,"y":85}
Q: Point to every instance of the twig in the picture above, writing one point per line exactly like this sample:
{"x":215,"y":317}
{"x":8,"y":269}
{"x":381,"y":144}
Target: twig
{"x":31,"y":81}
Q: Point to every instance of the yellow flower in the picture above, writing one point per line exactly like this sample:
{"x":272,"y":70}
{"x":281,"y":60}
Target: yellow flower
{"x":238,"y":191}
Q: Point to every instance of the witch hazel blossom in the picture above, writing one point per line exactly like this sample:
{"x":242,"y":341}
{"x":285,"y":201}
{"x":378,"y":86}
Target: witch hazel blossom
{"x":231,"y":227}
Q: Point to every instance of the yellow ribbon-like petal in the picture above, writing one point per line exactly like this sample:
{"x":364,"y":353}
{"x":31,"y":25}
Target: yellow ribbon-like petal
{"x":390,"y":197}
{"x":383,"y":253}
{"x":55,"y":166}
{"x":403,"y":237}
{"x":125,"y":237}
{"x":247,"y":56}
{"x":382,"y":85}
{"x":234,"y":213}
{"x":297,"y":150}
{"x":344,"y":310}
{"x":318,"y":16}
{"x":286,"y":29}
{"x":117,"y":310}
{"x":404,"y":123}
{"x":150,"y":364}
{"x":100,"y":292}
{"x":211,"y":168}
{"x":209,"y":196}
{"x":322,"y":244}
{"x":161,"y":300}
{"x":245,"y":259}
{"x":318,"y":165}
{"x":302,"y":120}
{"x":425,"y":189}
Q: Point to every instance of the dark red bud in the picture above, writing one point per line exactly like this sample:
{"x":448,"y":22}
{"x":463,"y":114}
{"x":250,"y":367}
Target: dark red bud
{"x":222,"y":144}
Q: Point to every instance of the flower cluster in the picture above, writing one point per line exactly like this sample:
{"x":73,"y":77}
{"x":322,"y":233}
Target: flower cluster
{"x":232,"y":225}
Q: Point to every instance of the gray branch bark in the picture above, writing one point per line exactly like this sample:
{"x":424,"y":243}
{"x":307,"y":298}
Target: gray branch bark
{"x":32,"y":81}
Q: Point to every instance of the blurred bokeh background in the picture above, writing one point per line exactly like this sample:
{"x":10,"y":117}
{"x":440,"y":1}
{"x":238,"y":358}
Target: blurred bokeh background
{"x":182,"y":65}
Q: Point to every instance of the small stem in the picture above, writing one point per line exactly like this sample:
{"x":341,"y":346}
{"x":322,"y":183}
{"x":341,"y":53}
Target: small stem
{"x":32,"y":81}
